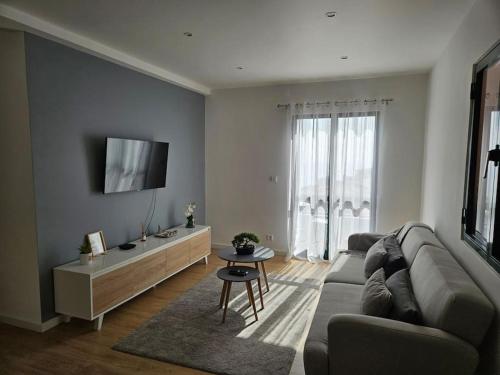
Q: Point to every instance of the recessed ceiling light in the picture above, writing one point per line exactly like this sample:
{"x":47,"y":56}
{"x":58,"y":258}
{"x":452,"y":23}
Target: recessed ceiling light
{"x":239,"y":67}
{"x":187,"y":33}
{"x":344,"y":57}
{"x":331,"y":14}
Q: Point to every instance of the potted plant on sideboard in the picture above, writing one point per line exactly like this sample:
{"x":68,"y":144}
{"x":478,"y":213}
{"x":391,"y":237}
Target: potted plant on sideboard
{"x":85,"y":252}
{"x":189,"y":213}
{"x":244,"y":243}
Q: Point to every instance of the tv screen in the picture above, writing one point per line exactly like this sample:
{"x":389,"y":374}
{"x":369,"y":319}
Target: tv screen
{"x":133,"y":165}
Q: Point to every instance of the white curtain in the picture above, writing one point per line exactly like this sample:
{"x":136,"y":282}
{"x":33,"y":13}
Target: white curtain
{"x":353,"y":181}
{"x":309,"y":181}
{"x":332,"y":177}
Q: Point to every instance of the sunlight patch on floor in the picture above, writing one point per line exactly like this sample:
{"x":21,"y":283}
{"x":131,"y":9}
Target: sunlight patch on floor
{"x":299,"y":283}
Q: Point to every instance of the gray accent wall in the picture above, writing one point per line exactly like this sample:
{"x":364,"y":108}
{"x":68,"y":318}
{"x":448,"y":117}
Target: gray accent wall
{"x":77,"y":100}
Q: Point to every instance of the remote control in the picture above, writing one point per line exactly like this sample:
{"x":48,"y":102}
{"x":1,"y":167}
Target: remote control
{"x":238,"y":272}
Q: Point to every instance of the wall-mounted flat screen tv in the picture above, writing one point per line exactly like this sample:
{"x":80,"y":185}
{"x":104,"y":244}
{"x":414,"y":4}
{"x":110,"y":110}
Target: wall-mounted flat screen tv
{"x":133,"y":165}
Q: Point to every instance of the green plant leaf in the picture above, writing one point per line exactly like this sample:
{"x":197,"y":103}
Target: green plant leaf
{"x":244,"y":238}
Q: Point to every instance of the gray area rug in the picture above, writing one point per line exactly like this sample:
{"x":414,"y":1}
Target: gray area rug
{"x":189,"y":331}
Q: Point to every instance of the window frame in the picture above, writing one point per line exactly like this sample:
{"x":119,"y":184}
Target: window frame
{"x":489,"y":251}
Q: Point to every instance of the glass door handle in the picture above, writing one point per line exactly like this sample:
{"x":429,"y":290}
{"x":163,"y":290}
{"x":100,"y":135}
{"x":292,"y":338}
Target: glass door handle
{"x":494,"y":156}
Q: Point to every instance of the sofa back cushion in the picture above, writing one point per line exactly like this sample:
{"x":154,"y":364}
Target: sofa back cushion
{"x":395,"y":259}
{"x":375,"y":258}
{"x":376,"y":300}
{"x":404,"y":305}
{"x":447,"y":296}
{"x":403,"y":231}
{"x":414,"y":239}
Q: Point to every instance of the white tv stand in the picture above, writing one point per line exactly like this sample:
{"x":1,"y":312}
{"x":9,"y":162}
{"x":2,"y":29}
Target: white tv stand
{"x":90,"y":291}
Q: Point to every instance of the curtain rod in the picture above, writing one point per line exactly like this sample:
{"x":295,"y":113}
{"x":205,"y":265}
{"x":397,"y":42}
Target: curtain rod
{"x":343,"y":102}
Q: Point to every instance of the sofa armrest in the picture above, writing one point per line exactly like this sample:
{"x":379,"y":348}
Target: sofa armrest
{"x":363,"y":241}
{"x":361,"y":344}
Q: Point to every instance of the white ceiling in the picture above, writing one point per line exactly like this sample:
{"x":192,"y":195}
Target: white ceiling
{"x":276,"y":41}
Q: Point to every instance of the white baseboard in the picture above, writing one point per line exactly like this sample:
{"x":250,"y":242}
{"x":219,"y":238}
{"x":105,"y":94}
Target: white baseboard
{"x":26,"y":324}
{"x":32,"y":326}
{"x":51,"y":323}
{"x":218,"y":246}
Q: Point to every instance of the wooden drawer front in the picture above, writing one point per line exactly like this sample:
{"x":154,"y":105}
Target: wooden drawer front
{"x":150,"y":270}
{"x":200,"y":246}
{"x":177,"y":257}
{"x":112,"y":288}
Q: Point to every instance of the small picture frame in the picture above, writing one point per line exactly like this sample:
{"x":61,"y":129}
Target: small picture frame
{"x":97,"y":243}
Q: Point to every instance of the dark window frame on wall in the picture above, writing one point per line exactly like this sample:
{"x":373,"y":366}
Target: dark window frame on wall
{"x":479,"y":158}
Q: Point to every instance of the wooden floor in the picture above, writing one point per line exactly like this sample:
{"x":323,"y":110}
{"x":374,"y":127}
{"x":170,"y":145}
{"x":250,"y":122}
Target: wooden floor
{"x":74,"y":348}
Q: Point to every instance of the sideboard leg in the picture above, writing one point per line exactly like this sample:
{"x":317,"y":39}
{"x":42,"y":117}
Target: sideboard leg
{"x":66,"y":318}
{"x":98,"y":322}
{"x":206,"y":260}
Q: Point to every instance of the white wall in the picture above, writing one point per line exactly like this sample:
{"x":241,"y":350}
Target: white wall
{"x":19,"y":279}
{"x":446,"y":149}
{"x":248,"y":140}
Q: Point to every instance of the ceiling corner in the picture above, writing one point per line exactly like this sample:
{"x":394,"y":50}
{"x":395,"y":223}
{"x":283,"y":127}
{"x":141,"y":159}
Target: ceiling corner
{"x":25,"y":21}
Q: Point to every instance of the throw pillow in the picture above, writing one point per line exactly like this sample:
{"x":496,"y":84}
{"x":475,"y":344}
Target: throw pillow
{"x":375,"y":257}
{"x":376,"y":299}
{"x":395,"y":259}
{"x":404,"y":304}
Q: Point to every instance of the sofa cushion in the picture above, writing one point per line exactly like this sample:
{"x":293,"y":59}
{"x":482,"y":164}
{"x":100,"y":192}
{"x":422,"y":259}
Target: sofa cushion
{"x":404,"y":304}
{"x":336,"y":298}
{"x":376,"y":299}
{"x":401,"y":234}
{"x":395,"y":259}
{"x":447,"y":296}
{"x":363,"y":241}
{"x":375,"y":257}
{"x":348,"y":268}
{"x":415,"y":239}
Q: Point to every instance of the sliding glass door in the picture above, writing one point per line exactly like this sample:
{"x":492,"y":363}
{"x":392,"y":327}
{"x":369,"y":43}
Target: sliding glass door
{"x":333,"y":179}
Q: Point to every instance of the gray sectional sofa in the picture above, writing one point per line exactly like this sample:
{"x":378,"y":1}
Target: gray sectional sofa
{"x":456,"y":315}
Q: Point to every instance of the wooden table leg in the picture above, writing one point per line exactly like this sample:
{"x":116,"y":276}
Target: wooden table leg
{"x":260,"y":293}
{"x":248,"y":294}
{"x":228,"y":290}
{"x":260,"y":288}
{"x":252,"y":300}
{"x":223,"y":294}
{"x":265,"y":275}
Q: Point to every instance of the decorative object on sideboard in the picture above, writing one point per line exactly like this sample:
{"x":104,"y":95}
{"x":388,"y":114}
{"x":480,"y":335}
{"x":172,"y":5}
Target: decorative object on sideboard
{"x":165,"y":233}
{"x":85,"y":252}
{"x":189,"y":214}
{"x":127,"y":246}
{"x":97,"y":243}
{"x":243,"y":243}
{"x":143,"y":233}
